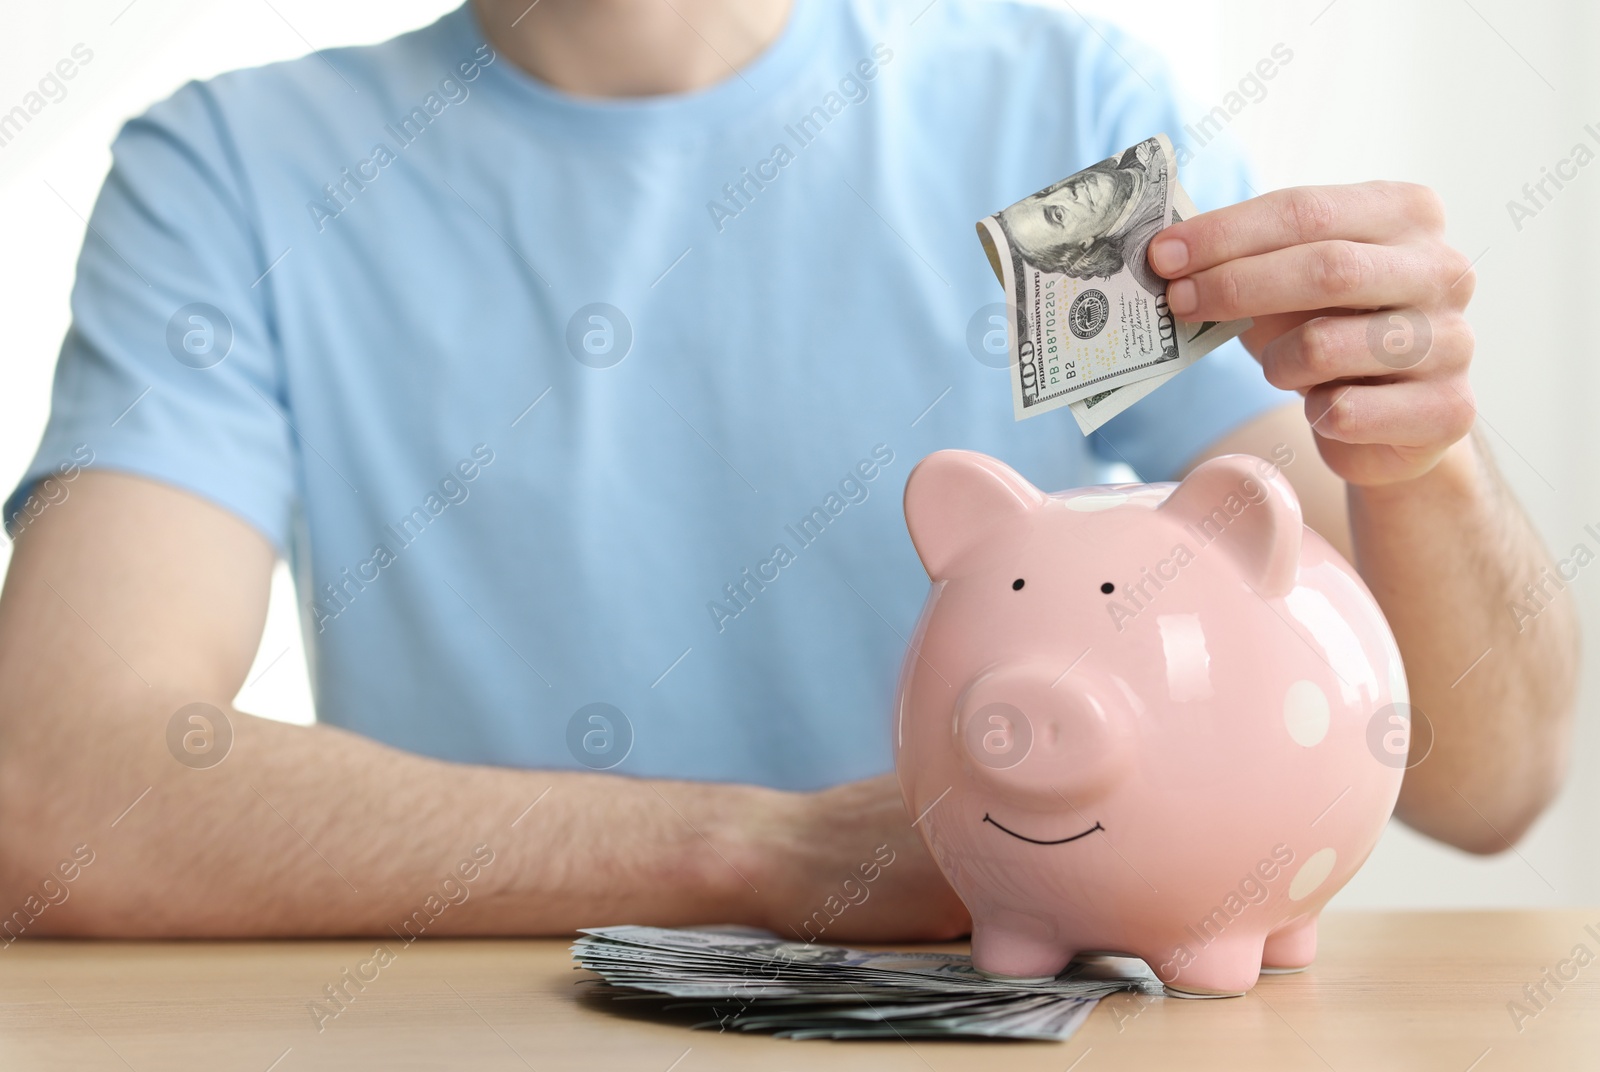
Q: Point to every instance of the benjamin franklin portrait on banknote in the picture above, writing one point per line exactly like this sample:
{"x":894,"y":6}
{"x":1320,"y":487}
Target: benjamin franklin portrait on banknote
{"x":1093,"y":224}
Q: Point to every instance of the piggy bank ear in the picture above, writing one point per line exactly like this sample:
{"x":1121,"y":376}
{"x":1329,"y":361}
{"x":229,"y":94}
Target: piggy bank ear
{"x":1252,"y":517}
{"x":965,"y":510}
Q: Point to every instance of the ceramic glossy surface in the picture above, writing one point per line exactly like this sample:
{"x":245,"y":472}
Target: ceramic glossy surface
{"x":1162,"y":720}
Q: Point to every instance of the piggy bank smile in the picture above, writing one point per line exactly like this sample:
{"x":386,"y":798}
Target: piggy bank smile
{"x":1039,"y":841}
{"x":1124,"y":704}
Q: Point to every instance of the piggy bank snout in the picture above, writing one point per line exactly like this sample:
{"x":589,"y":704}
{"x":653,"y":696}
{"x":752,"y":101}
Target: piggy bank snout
{"x":1031,"y":733}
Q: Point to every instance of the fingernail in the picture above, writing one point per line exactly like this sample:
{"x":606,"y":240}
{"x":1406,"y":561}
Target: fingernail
{"x":1182,"y":296}
{"x":1169,"y":255}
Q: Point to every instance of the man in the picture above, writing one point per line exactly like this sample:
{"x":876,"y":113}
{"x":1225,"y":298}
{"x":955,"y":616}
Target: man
{"x":1089,"y":223}
{"x":502,"y":513}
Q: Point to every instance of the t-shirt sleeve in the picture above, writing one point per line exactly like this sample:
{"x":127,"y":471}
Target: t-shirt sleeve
{"x":170,"y":368}
{"x":1134,"y":98}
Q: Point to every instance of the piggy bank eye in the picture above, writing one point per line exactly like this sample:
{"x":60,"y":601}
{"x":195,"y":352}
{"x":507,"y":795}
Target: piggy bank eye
{"x":1108,"y":588}
{"x":1016,"y":585}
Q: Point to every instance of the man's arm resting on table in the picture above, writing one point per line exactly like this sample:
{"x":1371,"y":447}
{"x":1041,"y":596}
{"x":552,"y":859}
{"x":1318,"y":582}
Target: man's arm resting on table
{"x":1445,"y":554}
{"x":131,"y":599}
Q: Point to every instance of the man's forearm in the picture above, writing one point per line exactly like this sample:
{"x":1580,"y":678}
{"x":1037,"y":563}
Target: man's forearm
{"x":109,"y":827}
{"x":1445,"y":554}
{"x":314,"y":831}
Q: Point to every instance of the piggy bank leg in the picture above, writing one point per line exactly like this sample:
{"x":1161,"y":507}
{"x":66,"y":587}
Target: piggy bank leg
{"x":1226,"y":968}
{"x":1014,"y":954}
{"x":1291,"y":949}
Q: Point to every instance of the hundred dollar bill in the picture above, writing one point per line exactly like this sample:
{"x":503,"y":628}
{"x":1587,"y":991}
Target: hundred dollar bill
{"x":1195,"y":340}
{"x":1089,"y":318}
{"x":759,"y":982}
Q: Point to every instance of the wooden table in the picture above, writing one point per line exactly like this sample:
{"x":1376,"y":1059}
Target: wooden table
{"x":1400,"y":990}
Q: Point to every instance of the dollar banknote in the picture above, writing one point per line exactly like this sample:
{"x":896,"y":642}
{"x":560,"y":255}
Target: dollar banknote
{"x":1089,"y":325}
{"x":745,"y":981}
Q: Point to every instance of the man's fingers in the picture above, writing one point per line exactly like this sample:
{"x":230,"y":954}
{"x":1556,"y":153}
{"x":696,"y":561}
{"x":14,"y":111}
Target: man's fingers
{"x":1354,"y":346}
{"x":1316,"y":275}
{"x":1375,"y":212}
{"x":1414,"y":414}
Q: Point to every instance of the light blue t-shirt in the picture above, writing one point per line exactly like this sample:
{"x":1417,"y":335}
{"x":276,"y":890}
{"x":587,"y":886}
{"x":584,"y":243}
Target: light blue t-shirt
{"x":555,"y":402}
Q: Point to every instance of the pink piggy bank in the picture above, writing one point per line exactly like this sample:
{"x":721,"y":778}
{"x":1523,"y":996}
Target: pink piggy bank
{"x":1165,"y":721}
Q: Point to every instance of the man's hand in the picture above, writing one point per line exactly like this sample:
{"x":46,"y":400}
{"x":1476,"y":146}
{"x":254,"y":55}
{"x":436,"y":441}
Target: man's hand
{"x":1358,"y":304}
{"x":851,"y":868}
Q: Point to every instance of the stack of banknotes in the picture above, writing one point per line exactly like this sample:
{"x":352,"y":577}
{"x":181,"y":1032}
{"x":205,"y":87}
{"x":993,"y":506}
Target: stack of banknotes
{"x":1089,"y":326}
{"x":754,"y":982}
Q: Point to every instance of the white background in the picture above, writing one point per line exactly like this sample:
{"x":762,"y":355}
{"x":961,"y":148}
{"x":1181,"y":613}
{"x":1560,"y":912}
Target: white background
{"x":1473,"y":99}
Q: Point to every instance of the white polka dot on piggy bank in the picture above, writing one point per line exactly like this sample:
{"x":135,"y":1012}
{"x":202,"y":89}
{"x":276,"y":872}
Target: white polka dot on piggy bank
{"x":1305,"y":713}
{"x":1312,"y":874}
